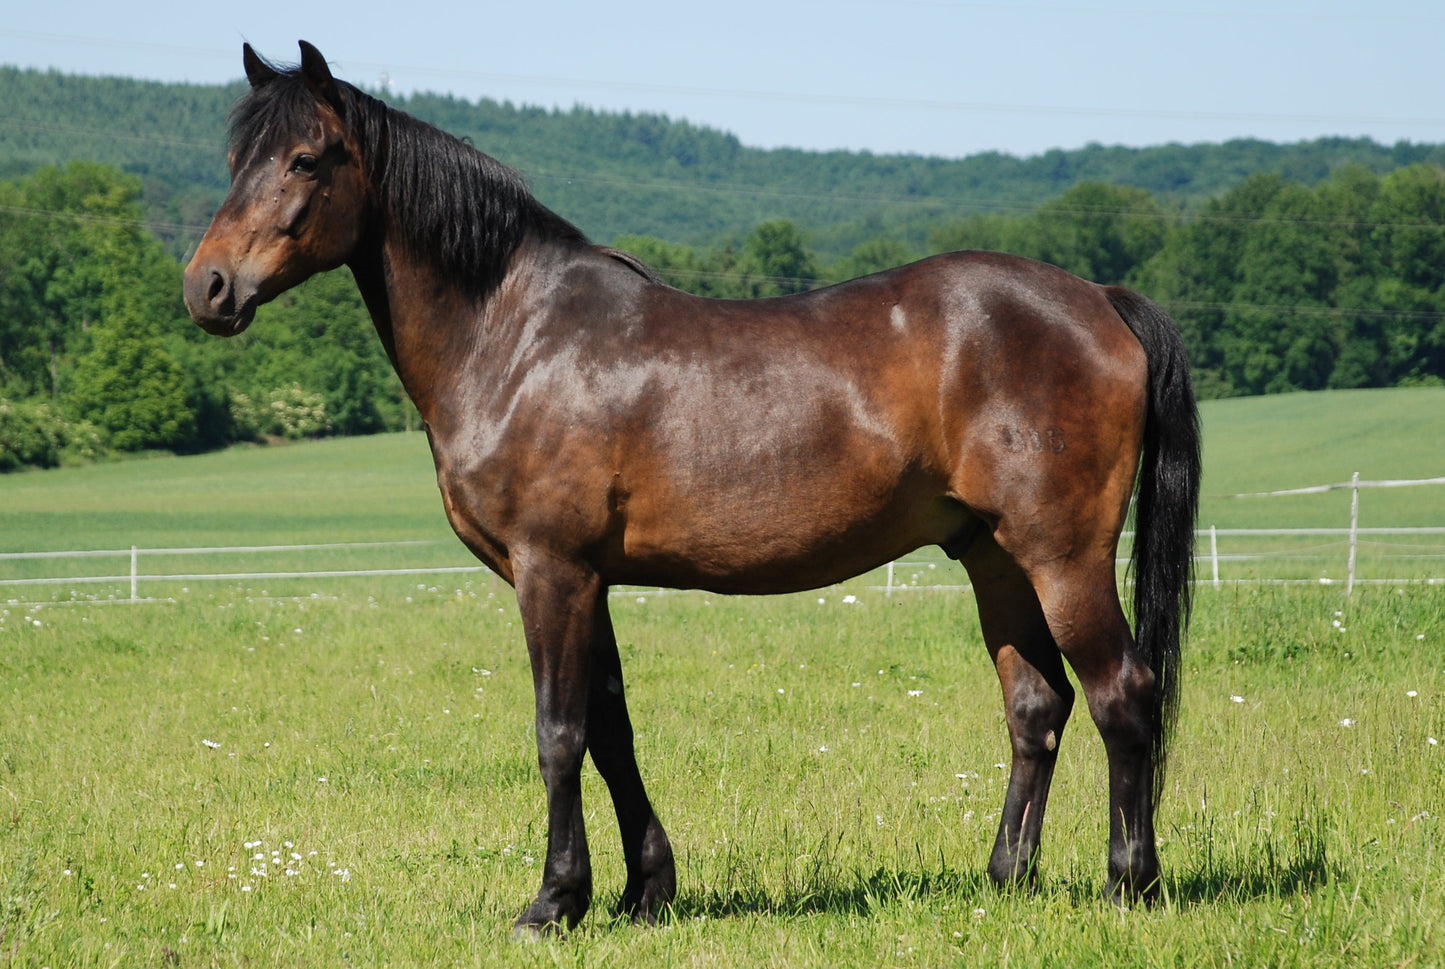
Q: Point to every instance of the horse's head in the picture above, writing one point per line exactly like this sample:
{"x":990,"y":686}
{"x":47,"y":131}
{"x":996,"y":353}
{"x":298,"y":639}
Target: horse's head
{"x":298,"y":197}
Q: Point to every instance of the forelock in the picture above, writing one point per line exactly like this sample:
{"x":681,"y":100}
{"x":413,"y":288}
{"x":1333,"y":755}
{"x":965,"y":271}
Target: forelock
{"x":283,"y":110}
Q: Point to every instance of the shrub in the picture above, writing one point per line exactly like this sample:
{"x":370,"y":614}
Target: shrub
{"x":35,"y":434}
{"x":291,"y":412}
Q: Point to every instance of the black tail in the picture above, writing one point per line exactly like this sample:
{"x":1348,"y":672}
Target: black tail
{"x":1164,"y":511}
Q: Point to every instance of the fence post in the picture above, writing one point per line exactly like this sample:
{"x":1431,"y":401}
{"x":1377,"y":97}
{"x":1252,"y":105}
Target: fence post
{"x":1214,"y":553}
{"x":134,"y":555}
{"x":1354,"y":530}
{"x":888,"y":593}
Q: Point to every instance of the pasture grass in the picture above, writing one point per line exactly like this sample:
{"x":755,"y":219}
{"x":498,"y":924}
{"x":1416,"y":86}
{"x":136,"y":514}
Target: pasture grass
{"x":828,"y":770}
{"x":225,"y":780}
{"x":379,"y":488}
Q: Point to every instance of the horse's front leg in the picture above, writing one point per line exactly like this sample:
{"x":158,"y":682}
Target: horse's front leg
{"x":557,"y":599}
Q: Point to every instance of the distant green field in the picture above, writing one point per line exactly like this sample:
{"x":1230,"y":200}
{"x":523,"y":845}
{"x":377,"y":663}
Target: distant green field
{"x":1256,"y":444}
{"x":382,"y":489}
{"x":378,"y":488}
{"x":1293,"y":441}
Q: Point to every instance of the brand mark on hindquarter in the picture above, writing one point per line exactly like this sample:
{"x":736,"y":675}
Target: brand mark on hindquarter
{"x":1018,"y":439}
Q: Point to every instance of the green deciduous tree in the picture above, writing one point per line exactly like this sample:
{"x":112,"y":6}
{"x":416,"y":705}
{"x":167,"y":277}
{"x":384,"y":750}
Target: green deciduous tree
{"x":873,"y":256}
{"x":131,"y":388}
{"x":319,"y":337}
{"x":775,"y":261}
{"x":1281,"y":287}
{"x":1098,"y":231}
{"x":33,"y":433}
{"x":1407,"y":238}
{"x":1101,"y":232}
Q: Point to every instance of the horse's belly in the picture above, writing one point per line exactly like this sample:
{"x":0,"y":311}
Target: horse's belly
{"x":780,"y":539}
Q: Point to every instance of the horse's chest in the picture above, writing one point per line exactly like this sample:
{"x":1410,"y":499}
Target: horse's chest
{"x":475,"y":501}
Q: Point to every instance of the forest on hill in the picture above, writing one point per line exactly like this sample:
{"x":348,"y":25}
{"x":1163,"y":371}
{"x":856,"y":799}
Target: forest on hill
{"x":1288,"y":267}
{"x":638,"y":174}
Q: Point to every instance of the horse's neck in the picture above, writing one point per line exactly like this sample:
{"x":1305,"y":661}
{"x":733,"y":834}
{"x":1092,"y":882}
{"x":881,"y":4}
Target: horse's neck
{"x":370,"y":275}
{"x":414,"y":327}
{"x":434,"y":331}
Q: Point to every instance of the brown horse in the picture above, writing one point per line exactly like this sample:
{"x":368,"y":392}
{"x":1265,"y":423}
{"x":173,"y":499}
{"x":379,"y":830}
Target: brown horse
{"x":592,"y":426}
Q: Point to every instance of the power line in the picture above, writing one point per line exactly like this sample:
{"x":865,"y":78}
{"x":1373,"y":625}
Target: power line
{"x":1289,"y":309}
{"x":93,"y":218}
{"x":929,"y":202}
{"x":112,"y":43}
{"x":1003,"y":205}
{"x":1159,"y":11}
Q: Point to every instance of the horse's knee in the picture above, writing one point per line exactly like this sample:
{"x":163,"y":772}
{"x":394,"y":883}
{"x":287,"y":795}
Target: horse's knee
{"x":560,"y":749}
{"x":1036,"y":715}
{"x":1037,"y":698}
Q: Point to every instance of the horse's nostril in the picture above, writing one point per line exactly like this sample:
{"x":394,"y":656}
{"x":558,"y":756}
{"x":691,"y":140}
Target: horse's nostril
{"x":217,"y":287}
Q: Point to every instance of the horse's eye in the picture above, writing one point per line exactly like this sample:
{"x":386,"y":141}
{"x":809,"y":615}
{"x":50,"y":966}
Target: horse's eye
{"x":304,"y":164}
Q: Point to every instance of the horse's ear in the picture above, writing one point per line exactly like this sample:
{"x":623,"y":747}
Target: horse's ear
{"x":258,"y":72}
{"x":318,"y":75}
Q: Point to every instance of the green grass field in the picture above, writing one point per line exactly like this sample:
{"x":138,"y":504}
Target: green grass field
{"x":348,"y":777}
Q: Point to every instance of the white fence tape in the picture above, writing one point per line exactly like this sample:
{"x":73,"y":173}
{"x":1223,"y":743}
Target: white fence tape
{"x":1341,"y":486}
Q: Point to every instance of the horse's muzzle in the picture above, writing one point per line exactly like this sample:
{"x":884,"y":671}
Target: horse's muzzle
{"x":211,"y":298}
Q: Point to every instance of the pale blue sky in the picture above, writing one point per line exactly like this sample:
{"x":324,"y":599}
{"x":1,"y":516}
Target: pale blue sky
{"x":921,"y":76}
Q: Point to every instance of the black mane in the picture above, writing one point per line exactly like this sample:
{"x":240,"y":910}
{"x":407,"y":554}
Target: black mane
{"x":460,"y":208}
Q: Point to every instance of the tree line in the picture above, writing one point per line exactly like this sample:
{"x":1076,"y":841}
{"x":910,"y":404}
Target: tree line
{"x":1276,"y":287}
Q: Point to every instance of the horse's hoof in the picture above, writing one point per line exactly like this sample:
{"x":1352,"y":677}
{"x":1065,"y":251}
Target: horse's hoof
{"x":550,"y":916}
{"x":529,"y":932}
{"x":640,"y":914}
{"x":1013,"y":878}
{"x":646,"y":903}
{"x":1124,"y":896}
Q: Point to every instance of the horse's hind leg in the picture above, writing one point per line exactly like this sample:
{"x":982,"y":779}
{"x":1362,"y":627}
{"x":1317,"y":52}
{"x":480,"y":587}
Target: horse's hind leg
{"x":1037,"y":700}
{"x":651,"y":875}
{"x":1081,"y":603}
